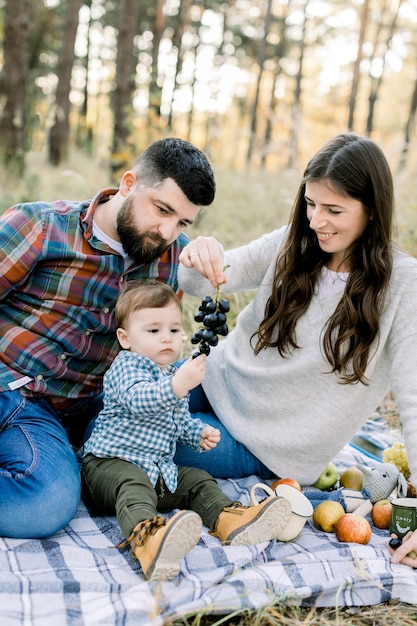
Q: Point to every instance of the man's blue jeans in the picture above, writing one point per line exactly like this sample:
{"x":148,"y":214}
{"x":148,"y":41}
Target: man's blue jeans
{"x":40,"y":476}
{"x":229,"y":459}
{"x":39,"y":471}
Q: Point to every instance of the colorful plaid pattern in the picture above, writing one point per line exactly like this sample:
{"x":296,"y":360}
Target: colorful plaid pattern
{"x":58,"y":287}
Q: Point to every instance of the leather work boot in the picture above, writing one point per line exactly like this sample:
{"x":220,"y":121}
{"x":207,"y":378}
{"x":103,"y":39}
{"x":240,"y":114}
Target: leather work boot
{"x":240,"y":525}
{"x":159,"y":544}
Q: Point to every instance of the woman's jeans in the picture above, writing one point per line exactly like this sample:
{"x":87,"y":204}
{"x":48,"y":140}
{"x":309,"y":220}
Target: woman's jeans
{"x":39,"y":472}
{"x":229,"y":459}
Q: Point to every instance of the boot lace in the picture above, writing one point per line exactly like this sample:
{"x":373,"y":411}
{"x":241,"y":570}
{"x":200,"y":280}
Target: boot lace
{"x":143,"y":530}
{"x":236,"y":508}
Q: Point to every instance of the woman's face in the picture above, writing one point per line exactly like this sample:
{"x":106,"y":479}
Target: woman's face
{"x":336,"y":219}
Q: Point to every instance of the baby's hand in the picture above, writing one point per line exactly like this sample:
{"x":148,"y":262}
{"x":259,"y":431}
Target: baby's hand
{"x":189,"y":375}
{"x":210,"y":437}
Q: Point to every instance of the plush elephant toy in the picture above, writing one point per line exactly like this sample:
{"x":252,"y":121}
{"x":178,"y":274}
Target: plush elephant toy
{"x":378,"y":483}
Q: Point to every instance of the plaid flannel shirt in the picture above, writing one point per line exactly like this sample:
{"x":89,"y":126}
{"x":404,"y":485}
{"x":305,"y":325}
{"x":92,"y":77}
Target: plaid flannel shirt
{"x":58,"y":288}
{"x":142,"y":418}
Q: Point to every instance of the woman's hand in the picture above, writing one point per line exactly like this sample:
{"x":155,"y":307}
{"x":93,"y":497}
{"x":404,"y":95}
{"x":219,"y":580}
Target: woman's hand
{"x":406,"y":553}
{"x":206,"y":255}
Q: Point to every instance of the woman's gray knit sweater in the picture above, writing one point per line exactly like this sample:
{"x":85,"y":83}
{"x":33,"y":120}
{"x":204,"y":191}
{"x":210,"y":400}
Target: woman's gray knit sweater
{"x":292,"y":413}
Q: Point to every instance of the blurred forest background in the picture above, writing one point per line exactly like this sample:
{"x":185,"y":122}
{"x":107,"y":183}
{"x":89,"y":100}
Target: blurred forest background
{"x":257,"y":84}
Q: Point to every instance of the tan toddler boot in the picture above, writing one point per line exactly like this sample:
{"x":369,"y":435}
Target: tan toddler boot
{"x":159,"y":544}
{"x":240,"y":525}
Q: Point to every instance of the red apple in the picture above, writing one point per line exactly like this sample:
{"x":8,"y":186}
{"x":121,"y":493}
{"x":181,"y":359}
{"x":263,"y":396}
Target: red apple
{"x":381,"y":513}
{"x":326,"y":514}
{"x":352,"y":528}
{"x":286,"y":481}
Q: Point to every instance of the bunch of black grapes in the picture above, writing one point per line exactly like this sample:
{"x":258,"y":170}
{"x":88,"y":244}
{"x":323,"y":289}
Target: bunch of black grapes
{"x":212,"y":317}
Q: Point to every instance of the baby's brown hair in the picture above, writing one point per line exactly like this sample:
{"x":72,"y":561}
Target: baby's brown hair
{"x":146,"y":294}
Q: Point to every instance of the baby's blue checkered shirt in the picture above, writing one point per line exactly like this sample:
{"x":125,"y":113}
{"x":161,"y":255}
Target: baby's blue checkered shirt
{"x":142,"y":418}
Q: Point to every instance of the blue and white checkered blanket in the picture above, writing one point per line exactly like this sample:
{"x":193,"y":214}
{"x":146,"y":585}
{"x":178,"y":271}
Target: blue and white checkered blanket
{"x":76,"y":578}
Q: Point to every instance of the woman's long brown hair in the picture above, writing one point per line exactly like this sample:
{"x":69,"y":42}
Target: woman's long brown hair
{"x":356,"y":167}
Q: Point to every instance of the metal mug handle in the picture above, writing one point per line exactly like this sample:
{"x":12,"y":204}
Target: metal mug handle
{"x":253,"y":499}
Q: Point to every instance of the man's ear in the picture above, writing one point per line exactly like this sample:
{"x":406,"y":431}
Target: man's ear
{"x":128,"y":182}
{"x":123,"y":338}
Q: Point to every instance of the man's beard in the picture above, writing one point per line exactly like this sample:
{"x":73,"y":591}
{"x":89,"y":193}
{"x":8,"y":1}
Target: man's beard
{"x":141,"y":247}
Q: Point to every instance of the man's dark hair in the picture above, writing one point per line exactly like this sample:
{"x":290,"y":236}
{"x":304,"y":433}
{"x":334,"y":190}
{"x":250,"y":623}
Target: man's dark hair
{"x":184,"y":163}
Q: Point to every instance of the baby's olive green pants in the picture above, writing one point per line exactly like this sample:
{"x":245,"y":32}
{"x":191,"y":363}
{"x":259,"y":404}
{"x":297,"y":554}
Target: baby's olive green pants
{"x":121,"y":488}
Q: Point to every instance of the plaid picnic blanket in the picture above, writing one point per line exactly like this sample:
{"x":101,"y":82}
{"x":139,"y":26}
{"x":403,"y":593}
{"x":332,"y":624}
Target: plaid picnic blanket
{"x":77,"y":577}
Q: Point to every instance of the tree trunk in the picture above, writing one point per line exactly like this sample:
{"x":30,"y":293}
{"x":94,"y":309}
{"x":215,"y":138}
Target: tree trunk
{"x":376,"y":82}
{"x":59,"y":132}
{"x":261,"y":63}
{"x":84,"y":131}
{"x":183,"y":24}
{"x":356,"y":67}
{"x":15,"y":75}
{"x":296,"y":107}
{"x":408,"y":130}
{"x":155,"y":90}
{"x":280,"y":53}
{"x":125,"y":80}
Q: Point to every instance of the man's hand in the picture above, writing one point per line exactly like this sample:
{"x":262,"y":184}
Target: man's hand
{"x":189,"y":375}
{"x":210,"y":437}
{"x":206,"y":255}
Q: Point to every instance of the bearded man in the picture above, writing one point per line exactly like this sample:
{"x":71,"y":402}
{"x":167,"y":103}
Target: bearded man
{"x":62,"y":267}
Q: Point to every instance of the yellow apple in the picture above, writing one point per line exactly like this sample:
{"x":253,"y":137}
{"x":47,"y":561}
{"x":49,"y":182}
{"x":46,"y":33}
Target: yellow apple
{"x":351,"y":528}
{"x":352,"y":478}
{"x":381,"y":513}
{"x":326,"y":514}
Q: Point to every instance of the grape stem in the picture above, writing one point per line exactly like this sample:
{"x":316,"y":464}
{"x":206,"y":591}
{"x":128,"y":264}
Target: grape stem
{"x":218,"y":292}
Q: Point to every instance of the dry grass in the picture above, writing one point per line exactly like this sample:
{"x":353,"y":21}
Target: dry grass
{"x":390,"y":614}
{"x":247,"y":205}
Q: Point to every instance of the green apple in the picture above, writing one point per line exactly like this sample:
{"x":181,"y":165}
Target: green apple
{"x":328,"y":478}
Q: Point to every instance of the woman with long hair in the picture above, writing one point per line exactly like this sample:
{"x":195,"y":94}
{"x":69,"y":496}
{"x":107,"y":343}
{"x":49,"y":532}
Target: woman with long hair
{"x":331,"y":329}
